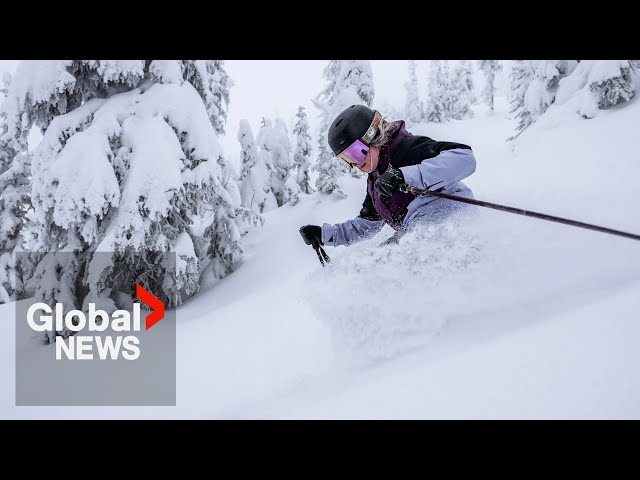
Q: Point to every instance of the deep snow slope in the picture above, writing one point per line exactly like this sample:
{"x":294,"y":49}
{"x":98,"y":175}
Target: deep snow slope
{"x":490,"y":315}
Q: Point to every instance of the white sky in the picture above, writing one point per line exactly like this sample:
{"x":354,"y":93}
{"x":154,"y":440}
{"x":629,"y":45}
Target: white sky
{"x":277,"y":87}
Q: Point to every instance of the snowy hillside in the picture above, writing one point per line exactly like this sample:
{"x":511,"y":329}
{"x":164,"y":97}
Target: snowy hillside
{"x":501,"y":317}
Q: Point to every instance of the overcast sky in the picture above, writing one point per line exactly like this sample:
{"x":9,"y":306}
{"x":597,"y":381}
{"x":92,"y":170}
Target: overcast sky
{"x":277,"y":87}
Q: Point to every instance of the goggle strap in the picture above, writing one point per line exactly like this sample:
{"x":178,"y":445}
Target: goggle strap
{"x":373,"y":128}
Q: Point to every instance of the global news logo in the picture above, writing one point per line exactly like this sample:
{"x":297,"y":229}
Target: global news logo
{"x":121,"y":340}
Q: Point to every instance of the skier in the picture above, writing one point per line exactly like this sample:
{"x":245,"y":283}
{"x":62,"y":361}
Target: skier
{"x":393,"y":157}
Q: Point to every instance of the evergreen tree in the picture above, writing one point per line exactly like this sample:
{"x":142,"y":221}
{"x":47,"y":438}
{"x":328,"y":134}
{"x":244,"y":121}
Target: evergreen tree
{"x":460,"y":95}
{"x":128,"y":161}
{"x":274,"y":139}
{"x":302,"y":155}
{"x":436,"y":106}
{"x":413,"y":107}
{"x":521,"y":76}
{"x":255,"y":178}
{"x":612,"y":82}
{"x":14,"y":199}
{"x":533,"y":88}
{"x":212,"y":82}
{"x":490,"y":68}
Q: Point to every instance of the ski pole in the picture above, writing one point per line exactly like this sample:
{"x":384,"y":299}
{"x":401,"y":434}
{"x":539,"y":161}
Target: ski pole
{"x":322,"y":255}
{"x":519,"y":211}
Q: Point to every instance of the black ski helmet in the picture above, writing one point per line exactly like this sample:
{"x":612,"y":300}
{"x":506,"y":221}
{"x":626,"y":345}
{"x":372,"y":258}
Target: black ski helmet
{"x":350,"y":125}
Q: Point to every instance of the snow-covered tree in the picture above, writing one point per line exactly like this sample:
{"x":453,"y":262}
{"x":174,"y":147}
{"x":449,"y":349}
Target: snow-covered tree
{"x":248,"y":149}
{"x":274,"y":139}
{"x":212,"y":82}
{"x":464,"y":71}
{"x":56,"y":277}
{"x":521,"y":76}
{"x":128,"y":160}
{"x":6,"y":82}
{"x":12,"y":180}
{"x":290,"y":189}
{"x":533,"y":88}
{"x":460,"y":95}
{"x":413,"y":107}
{"x":255,"y":177}
{"x":348,"y":82}
{"x":490,"y":68}
{"x":612,"y":82}
{"x":14,"y":199}
{"x":435,"y":108}
{"x":302,"y":155}
{"x":6,"y":274}
{"x":542,"y":90}
{"x":596,"y":85}
{"x":328,"y":168}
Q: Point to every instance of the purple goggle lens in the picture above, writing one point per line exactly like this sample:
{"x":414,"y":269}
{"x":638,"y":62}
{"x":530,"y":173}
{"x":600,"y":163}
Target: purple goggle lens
{"x":354,"y":153}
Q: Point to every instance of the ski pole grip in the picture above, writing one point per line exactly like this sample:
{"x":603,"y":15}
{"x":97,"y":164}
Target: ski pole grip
{"x":404,"y":188}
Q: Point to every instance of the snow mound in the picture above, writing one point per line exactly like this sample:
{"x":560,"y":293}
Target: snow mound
{"x":378,"y":302}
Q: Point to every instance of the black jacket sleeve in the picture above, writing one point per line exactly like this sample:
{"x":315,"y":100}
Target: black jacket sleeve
{"x":368,"y":211}
{"x":413,"y":150}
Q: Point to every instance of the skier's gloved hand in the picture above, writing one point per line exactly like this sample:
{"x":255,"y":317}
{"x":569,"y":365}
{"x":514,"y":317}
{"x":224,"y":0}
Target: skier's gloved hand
{"x":389,"y":182}
{"x":312,"y":235}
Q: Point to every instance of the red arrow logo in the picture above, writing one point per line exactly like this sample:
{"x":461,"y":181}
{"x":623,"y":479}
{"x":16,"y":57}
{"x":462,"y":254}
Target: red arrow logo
{"x":157,"y":306}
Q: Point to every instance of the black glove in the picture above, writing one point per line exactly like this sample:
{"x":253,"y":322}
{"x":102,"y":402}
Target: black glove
{"x":389,"y":182}
{"x":312,"y":235}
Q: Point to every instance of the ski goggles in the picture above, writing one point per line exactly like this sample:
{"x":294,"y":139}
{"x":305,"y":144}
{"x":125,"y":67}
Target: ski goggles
{"x":354,"y":153}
